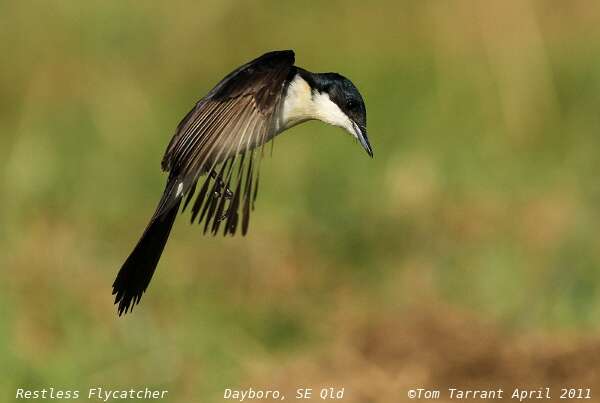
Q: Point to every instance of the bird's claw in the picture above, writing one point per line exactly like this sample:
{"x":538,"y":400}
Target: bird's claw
{"x":220,"y":185}
{"x":224,"y":216}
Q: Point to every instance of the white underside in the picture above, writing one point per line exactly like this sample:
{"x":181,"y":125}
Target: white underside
{"x":301,"y":104}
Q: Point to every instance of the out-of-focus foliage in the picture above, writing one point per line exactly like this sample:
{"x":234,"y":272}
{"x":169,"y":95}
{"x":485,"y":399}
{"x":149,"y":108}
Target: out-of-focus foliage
{"x":477,"y":221}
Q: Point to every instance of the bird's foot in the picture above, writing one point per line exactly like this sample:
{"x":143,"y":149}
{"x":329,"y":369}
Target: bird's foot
{"x":220,"y":185}
{"x":226,"y":214}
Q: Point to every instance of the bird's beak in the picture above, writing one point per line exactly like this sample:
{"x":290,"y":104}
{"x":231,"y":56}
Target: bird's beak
{"x":361,"y":134}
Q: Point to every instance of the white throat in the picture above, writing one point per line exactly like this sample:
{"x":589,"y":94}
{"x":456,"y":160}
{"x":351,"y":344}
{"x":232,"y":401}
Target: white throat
{"x":301,"y":104}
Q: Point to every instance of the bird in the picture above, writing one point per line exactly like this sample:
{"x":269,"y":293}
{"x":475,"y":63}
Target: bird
{"x":216,"y":149}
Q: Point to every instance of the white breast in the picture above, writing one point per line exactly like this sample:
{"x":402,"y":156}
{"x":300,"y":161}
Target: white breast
{"x":298,"y":105}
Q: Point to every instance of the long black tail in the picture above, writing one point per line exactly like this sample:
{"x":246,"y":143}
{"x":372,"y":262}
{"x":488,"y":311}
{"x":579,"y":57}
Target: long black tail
{"x":136,"y":273}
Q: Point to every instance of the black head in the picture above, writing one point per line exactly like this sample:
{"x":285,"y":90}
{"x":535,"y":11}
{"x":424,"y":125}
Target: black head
{"x":345,"y":95}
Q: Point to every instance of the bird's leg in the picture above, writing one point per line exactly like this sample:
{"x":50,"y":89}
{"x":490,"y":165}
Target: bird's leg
{"x":220,"y":185}
{"x":228,"y":193}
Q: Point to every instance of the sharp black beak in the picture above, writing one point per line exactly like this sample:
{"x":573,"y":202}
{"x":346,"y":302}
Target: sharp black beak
{"x":361,"y":135}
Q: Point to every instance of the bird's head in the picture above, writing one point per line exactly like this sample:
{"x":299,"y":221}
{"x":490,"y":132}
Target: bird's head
{"x":339,"y":103}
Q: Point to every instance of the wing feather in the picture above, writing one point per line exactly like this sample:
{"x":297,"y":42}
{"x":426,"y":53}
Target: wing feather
{"x":235,"y":117}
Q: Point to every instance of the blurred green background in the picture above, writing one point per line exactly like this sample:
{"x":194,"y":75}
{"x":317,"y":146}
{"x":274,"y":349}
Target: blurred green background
{"x":465,"y":253}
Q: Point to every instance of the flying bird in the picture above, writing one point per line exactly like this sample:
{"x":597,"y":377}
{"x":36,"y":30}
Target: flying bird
{"x":216,"y":150}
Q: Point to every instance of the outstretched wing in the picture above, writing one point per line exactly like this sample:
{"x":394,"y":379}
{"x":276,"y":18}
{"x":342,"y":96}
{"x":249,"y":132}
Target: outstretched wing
{"x":219,"y":137}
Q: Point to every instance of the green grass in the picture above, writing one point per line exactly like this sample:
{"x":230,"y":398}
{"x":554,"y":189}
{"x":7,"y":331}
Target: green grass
{"x":483,"y":193}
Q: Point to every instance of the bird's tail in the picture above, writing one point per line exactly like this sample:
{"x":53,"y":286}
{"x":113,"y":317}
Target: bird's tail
{"x":136,"y":273}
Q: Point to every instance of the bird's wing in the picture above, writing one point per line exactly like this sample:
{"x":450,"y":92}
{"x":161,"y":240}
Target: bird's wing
{"x":219,"y":136}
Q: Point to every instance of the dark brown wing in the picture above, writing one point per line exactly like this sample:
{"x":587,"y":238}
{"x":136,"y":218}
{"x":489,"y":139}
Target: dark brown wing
{"x":219,"y":137}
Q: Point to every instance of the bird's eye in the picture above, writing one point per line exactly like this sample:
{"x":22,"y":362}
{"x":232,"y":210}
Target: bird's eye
{"x":350,"y":104}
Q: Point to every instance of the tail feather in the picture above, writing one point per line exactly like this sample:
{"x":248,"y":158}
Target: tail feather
{"x":136,"y":273}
